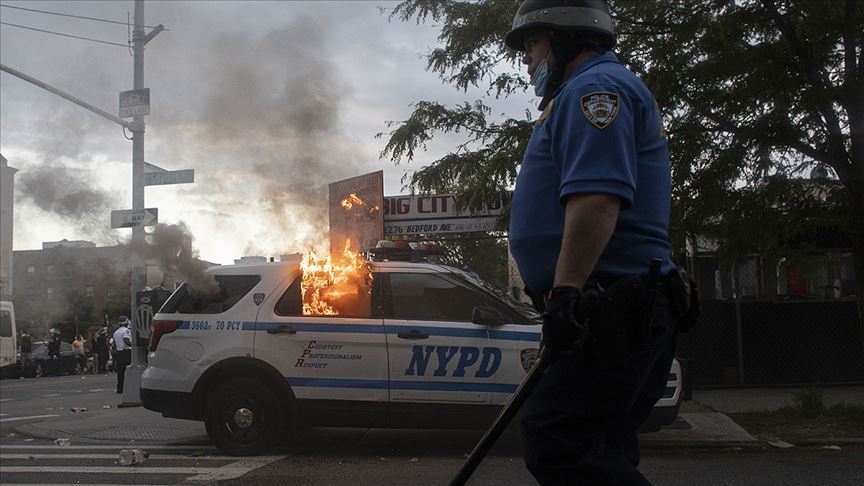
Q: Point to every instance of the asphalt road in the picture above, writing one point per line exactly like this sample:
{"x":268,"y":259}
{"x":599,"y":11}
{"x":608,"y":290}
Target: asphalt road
{"x":34,"y":399}
{"x":354,"y":456}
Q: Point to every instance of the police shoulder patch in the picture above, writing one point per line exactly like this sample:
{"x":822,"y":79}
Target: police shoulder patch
{"x":600,"y":108}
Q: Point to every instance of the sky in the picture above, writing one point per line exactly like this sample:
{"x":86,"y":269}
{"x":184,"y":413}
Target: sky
{"x":268,"y":102}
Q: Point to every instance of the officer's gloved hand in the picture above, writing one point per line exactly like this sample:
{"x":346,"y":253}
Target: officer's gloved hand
{"x":562,"y":326}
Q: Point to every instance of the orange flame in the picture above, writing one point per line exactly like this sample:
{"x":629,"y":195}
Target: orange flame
{"x":352,"y":200}
{"x":334,"y":286}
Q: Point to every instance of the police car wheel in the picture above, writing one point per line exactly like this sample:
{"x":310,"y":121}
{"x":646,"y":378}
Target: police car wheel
{"x":242,"y":417}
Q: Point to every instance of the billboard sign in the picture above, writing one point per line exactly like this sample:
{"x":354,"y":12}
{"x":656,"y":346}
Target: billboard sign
{"x":360,"y":218}
{"x":437,"y":214}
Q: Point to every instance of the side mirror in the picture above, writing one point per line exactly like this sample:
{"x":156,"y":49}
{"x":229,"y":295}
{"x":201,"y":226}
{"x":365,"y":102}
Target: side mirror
{"x":486,"y":315}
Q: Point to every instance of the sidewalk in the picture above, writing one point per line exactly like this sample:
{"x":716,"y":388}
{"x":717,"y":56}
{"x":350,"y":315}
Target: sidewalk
{"x":133,"y":424}
{"x":740,"y":400}
{"x":702,"y":422}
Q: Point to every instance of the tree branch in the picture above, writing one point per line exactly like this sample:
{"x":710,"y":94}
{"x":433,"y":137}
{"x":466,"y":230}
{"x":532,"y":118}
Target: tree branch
{"x":817,"y":79}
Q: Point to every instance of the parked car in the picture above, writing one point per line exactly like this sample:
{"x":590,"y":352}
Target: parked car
{"x":40,"y":363}
{"x":431,"y":347}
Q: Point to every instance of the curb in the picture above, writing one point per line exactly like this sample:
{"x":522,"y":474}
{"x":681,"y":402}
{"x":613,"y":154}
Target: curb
{"x":51,"y":434}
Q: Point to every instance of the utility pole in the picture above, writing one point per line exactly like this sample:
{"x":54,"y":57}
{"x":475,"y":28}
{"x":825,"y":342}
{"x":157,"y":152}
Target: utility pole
{"x":131,"y":393}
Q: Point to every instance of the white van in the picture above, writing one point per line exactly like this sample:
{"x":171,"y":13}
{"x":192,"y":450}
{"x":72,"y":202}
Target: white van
{"x":8,"y":343}
{"x":431,"y":348}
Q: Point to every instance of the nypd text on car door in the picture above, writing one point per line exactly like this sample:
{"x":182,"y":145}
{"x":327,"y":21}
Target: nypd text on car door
{"x":436,"y":353}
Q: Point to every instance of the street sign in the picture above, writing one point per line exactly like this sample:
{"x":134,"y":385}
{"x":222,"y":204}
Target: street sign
{"x":134,"y":102}
{"x":169,"y":177}
{"x":130,"y":218}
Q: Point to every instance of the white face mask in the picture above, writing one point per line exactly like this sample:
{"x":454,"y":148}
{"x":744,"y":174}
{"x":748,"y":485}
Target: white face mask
{"x":541,"y":77}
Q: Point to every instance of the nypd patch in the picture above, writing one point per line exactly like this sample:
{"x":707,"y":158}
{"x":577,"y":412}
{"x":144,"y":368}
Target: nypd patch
{"x":600,"y":108}
{"x":528,"y":358}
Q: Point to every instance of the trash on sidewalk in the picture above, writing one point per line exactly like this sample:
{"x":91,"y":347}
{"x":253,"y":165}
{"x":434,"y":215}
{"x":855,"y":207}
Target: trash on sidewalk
{"x":780,"y":444}
{"x":77,"y":409}
{"x":132,"y":457}
{"x":832,"y":448}
{"x":413,"y":459}
{"x":63,"y":442}
{"x":106,"y":406}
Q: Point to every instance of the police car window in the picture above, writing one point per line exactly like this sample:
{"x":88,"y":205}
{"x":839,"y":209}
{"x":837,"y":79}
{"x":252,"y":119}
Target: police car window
{"x":231,"y":289}
{"x":291,"y":303}
{"x":5,"y":324}
{"x":426,"y":296}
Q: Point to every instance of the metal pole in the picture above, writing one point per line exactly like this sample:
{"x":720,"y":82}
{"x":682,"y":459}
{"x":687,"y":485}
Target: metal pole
{"x":64,"y":95}
{"x":131,"y":394}
{"x":739,"y":331}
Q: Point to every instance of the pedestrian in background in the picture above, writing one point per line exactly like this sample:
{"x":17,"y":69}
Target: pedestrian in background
{"x":102,"y":351}
{"x":78,"y":344}
{"x":26,"y":350}
{"x":54,"y":352}
{"x":123,"y":345}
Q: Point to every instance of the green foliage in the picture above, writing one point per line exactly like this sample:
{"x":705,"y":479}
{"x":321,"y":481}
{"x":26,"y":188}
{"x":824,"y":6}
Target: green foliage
{"x":118,"y":305}
{"x":485,"y":256}
{"x":808,"y":402}
{"x":753,"y":92}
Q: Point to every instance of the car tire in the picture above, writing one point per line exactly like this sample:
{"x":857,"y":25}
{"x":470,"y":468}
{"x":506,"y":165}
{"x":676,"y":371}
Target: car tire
{"x":243,"y":417}
{"x":38,"y":370}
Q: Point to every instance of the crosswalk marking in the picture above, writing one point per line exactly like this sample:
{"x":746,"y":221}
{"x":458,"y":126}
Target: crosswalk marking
{"x":111,"y":456}
{"x":102,"y":446}
{"x":229,"y":471}
{"x":198,"y":473}
{"x":11,"y":419}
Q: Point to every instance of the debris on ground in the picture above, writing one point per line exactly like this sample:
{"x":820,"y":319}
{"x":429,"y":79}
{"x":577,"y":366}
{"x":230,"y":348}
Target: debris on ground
{"x":780,"y":444}
{"x":63,"y":442}
{"x":77,"y":409}
{"x":832,"y":448}
{"x":132,"y":457}
{"x":106,"y":406}
{"x":413,"y":459}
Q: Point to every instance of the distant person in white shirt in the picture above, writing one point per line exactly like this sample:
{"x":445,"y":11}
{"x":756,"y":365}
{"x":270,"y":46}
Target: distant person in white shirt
{"x":123,"y":344}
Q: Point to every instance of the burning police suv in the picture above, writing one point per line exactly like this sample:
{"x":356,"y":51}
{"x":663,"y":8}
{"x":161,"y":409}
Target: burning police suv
{"x":270,"y":347}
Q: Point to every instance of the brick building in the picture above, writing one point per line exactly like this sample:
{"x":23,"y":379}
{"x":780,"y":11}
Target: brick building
{"x":67,"y":278}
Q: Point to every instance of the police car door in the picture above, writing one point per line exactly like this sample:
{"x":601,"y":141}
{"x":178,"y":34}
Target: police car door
{"x":333,"y":363}
{"x":436,"y":353}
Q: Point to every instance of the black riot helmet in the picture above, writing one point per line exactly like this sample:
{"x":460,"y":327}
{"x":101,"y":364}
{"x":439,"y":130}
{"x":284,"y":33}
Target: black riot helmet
{"x":572,"y":27}
{"x":562,"y":15}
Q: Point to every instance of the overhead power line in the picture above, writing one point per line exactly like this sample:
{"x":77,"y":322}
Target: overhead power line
{"x":64,"y":35}
{"x":75,"y":16}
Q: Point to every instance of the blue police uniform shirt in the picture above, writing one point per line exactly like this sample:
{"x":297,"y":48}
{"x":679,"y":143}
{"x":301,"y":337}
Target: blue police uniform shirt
{"x":603,"y":133}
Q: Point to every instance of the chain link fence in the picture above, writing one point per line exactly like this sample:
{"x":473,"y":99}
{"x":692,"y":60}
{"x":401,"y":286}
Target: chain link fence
{"x":775,"y":321}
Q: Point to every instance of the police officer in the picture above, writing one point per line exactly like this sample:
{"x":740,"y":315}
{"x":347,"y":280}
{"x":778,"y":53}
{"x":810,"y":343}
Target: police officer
{"x":102,"y":351}
{"x":591,"y":208}
{"x":26,"y":350}
{"x":123,"y":345}
{"x":54,"y":352}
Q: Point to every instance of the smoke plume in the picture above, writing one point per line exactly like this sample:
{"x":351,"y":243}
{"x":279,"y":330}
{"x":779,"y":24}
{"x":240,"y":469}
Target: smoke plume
{"x":66,"y":193}
{"x":170,"y":246}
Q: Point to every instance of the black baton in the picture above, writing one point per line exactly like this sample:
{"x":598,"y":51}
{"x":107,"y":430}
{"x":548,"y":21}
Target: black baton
{"x":544,"y":361}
